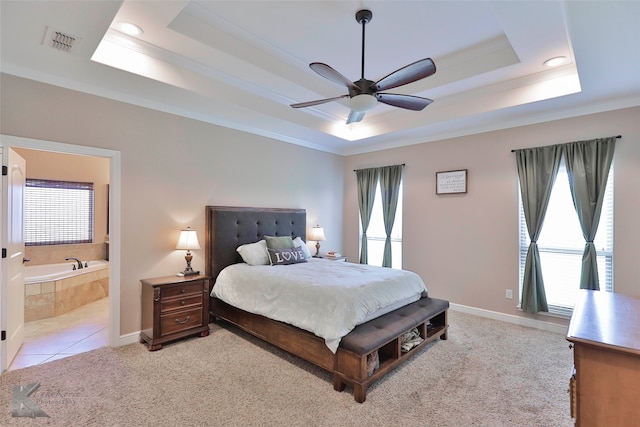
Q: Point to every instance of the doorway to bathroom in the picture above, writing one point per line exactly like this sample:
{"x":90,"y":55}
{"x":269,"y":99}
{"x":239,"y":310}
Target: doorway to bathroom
{"x":71,"y":312}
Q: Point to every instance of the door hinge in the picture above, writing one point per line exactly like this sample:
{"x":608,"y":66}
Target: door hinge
{"x":3,"y":336}
{"x":4,"y":252}
{"x":5,"y":171}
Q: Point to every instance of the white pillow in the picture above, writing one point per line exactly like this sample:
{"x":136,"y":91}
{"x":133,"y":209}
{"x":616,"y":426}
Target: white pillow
{"x":299,"y":243}
{"x":254,"y":253}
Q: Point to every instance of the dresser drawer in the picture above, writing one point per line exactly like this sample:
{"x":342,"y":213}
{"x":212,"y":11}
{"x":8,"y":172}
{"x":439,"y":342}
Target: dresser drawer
{"x":185,"y":289}
{"x":180,"y":321}
{"x":181,"y":303}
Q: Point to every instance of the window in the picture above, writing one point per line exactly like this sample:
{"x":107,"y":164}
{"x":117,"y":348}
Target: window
{"x":58,"y":212}
{"x":561,"y":245}
{"x":376,"y":234}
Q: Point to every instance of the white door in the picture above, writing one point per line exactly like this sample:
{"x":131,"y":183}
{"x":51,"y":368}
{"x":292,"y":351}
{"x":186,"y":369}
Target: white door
{"x":12,"y":290}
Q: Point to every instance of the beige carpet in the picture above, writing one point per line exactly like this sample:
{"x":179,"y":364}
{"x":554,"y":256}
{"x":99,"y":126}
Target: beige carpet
{"x":488,"y":373}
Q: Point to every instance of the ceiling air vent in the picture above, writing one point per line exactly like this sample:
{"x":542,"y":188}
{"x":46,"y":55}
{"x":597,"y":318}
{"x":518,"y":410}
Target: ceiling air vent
{"x":60,"y":40}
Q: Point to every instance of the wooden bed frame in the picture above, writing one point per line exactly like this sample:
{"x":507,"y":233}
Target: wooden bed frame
{"x":230,"y":227}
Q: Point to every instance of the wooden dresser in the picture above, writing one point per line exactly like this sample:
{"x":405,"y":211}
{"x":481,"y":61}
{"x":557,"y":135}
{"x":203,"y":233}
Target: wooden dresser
{"x":605,"y":333}
{"x":174,"y":307}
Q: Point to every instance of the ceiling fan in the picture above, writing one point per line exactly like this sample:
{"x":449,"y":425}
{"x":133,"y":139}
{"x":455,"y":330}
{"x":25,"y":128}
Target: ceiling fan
{"x":365,"y":94}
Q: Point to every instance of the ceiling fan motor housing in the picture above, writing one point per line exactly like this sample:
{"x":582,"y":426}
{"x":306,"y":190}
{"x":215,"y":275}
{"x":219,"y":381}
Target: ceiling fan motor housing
{"x":363,"y":16}
{"x":363,"y":86}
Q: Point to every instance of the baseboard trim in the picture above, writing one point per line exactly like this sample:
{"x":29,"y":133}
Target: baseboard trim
{"x":522,"y":321}
{"x":134,"y":337}
{"x":131,"y":338}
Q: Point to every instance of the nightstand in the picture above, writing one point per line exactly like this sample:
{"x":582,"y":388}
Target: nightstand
{"x":174,"y":307}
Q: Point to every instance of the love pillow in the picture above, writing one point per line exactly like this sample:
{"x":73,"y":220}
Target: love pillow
{"x":286,"y":256}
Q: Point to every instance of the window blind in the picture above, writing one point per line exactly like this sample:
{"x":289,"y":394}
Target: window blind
{"x":57,"y":212}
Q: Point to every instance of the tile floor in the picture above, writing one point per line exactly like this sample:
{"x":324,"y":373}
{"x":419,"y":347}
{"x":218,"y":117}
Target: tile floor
{"x":83,"y":329}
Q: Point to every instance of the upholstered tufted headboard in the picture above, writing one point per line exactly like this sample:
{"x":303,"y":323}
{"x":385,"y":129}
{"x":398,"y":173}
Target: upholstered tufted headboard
{"x":229,"y":227}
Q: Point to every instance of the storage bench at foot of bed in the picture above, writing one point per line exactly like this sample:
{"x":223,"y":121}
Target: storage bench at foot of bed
{"x":383,"y":337}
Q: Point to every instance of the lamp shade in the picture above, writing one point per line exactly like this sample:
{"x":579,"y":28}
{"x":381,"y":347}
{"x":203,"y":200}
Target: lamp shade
{"x":317,"y":234}
{"x":188,"y":240}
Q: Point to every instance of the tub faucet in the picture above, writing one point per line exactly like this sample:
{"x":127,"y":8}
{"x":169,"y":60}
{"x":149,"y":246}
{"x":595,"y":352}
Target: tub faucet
{"x":76,"y":260}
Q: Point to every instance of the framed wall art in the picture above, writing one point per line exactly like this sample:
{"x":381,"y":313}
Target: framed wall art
{"x":451,"y":182}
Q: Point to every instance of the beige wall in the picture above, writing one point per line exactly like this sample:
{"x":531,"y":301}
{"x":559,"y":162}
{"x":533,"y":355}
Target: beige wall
{"x":172,"y":168}
{"x":465,"y":246}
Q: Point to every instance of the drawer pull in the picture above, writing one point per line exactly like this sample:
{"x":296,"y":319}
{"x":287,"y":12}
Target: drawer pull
{"x":183,"y":290}
{"x":183,"y":302}
{"x":183,"y":321}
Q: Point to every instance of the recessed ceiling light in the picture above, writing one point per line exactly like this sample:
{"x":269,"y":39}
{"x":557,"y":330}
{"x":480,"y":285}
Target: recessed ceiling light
{"x":129,"y":28}
{"x":554,"y":62}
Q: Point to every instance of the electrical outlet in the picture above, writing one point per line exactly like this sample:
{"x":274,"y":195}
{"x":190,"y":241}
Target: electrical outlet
{"x":508,"y":294}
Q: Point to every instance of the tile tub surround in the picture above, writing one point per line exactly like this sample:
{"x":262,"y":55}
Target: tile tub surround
{"x":55,"y":297}
{"x":52,"y":254}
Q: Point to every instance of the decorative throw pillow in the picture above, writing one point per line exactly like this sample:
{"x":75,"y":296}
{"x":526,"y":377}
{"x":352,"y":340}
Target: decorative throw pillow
{"x":286,"y":256}
{"x":279,"y":242}
{"x":254,"y":253}
{"x":299,"y":243}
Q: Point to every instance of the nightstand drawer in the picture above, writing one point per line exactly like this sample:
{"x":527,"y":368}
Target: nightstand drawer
{"x":181,"y":303}
{"x":187,"y":288}
{"x":180,"y":321}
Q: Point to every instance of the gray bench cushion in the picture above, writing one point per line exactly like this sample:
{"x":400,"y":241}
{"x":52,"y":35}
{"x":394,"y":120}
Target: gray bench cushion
{"x":375,"y":333}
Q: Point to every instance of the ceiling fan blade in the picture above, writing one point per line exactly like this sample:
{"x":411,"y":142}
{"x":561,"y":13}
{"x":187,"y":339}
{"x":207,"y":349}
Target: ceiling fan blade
{"x":355,"y":116}
{"x":408,"y":102}
{"x":408,"y":74}
{"x":319,"y":101}
{"x":330,"y":74}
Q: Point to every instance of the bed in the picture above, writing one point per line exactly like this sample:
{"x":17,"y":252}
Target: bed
{"x":378,"y":340}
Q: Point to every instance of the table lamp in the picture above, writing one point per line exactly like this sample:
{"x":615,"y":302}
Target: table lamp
{"x":188,"y":240}
{"x":317,"y":234}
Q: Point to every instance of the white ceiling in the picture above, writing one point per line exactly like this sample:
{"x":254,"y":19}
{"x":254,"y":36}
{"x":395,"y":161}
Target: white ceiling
{"x":240,"y":64}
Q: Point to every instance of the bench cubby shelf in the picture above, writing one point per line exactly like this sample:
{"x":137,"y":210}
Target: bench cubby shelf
{"x":351,"y":366}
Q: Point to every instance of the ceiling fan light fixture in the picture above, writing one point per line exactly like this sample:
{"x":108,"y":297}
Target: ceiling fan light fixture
{"x":363,"y":102}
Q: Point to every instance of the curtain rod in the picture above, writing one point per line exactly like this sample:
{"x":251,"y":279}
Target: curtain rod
{"x":617,"y":137}
{"x":380,"y":166}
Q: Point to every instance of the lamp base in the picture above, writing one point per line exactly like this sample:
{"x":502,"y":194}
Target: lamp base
{"x":189,"y":272}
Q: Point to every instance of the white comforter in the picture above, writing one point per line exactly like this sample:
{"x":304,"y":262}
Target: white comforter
{"x":327,"y":298}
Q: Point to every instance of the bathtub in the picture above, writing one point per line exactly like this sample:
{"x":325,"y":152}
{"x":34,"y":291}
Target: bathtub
{"x":52,"y":272}
{"x":55,"y":289}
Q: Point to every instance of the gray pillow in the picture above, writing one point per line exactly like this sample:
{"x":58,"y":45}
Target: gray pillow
{"x":286,"y":256}
{"x":279,"y":242}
